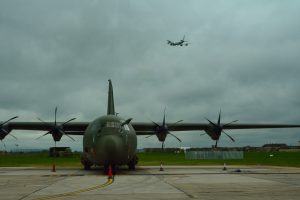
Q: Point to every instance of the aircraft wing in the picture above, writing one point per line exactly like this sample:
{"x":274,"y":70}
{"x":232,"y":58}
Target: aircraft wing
{"x":141,"y":128}
{"x":71,"y":128}
{"x":149,"y":128}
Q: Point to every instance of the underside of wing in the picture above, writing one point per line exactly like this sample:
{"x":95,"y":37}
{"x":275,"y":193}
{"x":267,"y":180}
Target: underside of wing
{"x":260,"y":126}
{"x":72,"y":128}
{"x":149,"y":128}
{"x":142,"y":128}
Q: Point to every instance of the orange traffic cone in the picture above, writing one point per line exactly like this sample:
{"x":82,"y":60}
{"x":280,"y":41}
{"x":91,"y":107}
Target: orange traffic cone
{"x":110,"y":174}
{"x":53,"y":168}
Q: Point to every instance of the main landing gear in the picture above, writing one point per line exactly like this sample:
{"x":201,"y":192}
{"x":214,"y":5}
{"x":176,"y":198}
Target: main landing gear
{"x":132,"y":163}
{"x":86,"y":164}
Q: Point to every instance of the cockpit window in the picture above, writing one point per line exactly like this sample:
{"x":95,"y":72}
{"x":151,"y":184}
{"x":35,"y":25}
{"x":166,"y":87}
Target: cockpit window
{"x":113,"y":124}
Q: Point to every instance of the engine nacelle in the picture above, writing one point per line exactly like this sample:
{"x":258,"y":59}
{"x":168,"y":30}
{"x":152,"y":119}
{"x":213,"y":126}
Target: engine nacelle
{"x":161,"y":136}
{"x":213,"y":133}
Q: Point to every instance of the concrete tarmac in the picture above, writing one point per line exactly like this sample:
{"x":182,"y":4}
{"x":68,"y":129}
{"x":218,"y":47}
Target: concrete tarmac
{"x":176,"y":182}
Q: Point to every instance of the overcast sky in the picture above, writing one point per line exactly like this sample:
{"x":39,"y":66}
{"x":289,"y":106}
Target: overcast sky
{"x":243,"y":58}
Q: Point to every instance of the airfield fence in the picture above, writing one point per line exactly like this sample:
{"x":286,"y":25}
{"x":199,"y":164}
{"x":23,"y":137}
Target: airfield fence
{"x":214,"y":155}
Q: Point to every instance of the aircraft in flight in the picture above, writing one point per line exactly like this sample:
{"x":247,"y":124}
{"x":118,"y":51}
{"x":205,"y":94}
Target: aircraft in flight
{"x":110,"y":140}
{"x":182,"y":42}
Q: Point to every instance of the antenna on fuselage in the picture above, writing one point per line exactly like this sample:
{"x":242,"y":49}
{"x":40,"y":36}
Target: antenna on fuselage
{"x":110,"y":101}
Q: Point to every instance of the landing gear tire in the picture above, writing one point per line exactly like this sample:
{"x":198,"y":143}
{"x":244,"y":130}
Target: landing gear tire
{"x":86,"y":164}
{"x":87,"y":167}
{"x":132,"y":163}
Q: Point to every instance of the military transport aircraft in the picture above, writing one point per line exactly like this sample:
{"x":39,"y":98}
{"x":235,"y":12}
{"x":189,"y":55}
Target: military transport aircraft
{"x":180,"y":43}
{"x":110,"y":140}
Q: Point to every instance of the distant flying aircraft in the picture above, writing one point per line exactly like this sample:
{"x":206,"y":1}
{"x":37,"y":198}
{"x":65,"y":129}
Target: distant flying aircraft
{"x":110,"y":140}
{"x":180,"y":43}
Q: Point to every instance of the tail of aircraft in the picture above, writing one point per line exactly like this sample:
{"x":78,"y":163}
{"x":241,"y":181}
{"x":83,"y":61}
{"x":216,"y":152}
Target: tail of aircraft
{"x":182,"y":40}
{"x":110,"y":101}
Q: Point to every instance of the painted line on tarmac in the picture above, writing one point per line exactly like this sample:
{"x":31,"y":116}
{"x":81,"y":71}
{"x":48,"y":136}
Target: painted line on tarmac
{"x":109,"y":181}
{"x":62,"y":175}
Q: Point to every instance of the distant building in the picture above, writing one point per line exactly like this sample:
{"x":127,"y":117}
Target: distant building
{"x":275,"y":145}
{"x":184,"y":148}
{"x":60,"y":151}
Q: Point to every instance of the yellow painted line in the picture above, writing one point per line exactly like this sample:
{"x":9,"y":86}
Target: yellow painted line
{"x":109,"y":181}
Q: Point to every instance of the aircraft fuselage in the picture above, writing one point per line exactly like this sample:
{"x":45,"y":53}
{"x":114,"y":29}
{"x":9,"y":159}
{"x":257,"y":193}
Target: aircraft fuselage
{"x":107,"y":142}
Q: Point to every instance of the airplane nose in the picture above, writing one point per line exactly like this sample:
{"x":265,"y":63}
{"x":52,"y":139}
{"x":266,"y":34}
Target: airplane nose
{"x":110,"y":147}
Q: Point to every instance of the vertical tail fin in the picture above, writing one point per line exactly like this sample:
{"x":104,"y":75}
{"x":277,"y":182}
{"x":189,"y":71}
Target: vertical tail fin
{"x":110,"y":102}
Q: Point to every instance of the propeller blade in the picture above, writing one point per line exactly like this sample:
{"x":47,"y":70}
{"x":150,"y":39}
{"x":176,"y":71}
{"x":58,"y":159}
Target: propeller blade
{"x":68,"y":121}
{"x":43,"y":135}
{"x":70,"y":137}
{"x":149,"y":136}
{"x":164,"y":120}
{"x":228,"y":136}
{"x":210,"y":121}
{"x":13,"y":136}
{"x":5,"y":131}
{"x":162,"y":146}
{"x":8,"y":120}
{"x":42,"y":120}
{"x":175,"y":123}
{"x":155,"y":123}
{"x":230,"y":123}
{"x":219,"y":119}
{"x":175,"y":137}
{"x":46,"y":123}
{"x":55,"y":115}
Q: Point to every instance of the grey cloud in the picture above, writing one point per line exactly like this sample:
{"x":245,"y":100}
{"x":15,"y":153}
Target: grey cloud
{"x":242,"y":58}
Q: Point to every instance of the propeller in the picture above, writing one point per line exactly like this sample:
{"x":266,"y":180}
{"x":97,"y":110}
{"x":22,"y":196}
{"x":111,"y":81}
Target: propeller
{"x":4,"y":132}
{"x":56,"y":129}
{"x":162,"y":130}
{"x":217,"y":129}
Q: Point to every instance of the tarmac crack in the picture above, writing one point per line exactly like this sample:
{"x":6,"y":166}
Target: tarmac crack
{"x":160,"y":177}
{"x":27,"y":195}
